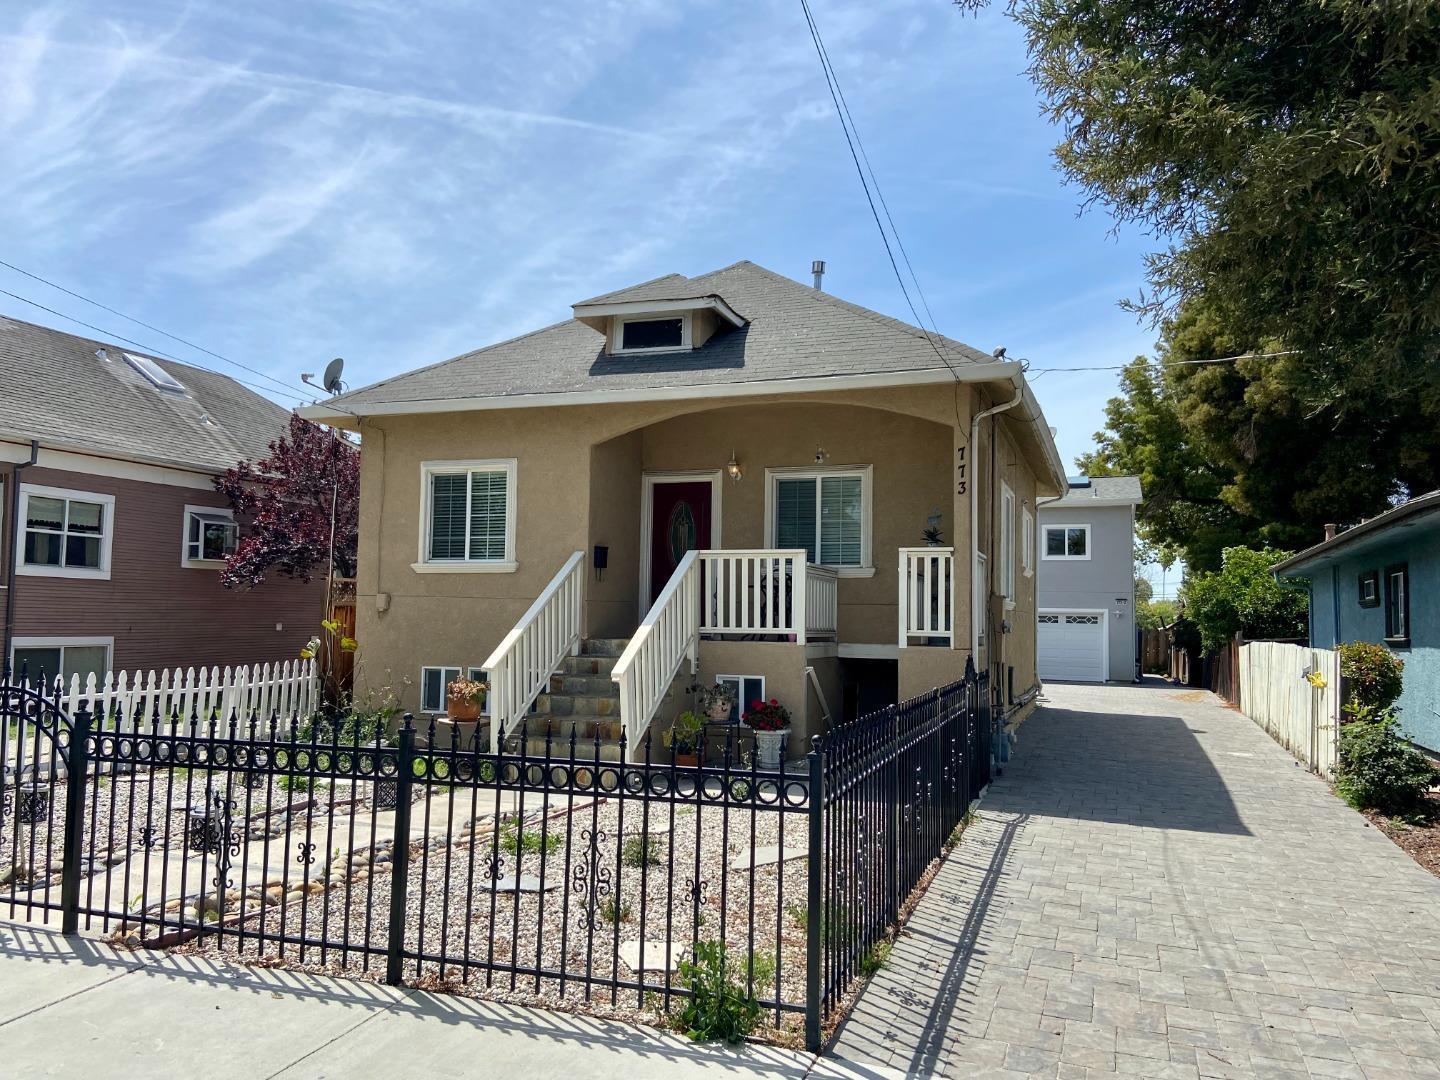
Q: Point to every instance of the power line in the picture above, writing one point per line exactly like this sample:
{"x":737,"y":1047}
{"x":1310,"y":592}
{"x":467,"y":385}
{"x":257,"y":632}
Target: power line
{"x":111,"y":335}
{"x":1172,"y":363}
{"x":155,"y":329}
{"x":846,"y":125}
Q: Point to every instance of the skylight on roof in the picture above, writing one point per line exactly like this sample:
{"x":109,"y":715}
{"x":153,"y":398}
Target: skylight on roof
{"x":155,"y":374}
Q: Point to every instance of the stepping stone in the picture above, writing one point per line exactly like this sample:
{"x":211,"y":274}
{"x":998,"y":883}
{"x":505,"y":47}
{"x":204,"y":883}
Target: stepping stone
{"x":658,"y":825}
{"x":527,"y":884}
{"x":659,"y":955}
{"x":769,"y":855}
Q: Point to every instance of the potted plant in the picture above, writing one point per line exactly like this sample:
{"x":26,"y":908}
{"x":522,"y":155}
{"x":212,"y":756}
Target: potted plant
{"x":683,"y":738}
{"x":717,"y":702}
{"x":465,"y":698}
{"x":771,"y":723}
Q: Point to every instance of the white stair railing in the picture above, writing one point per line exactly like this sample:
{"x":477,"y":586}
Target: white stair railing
{"x":668,"y":635}
{"x":521,"y":665}
{"x":927,"y":593}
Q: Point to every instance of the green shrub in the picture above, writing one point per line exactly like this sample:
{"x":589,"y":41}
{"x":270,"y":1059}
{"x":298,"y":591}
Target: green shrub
{"x":520,"y":841}
{"x":1372,"y":676}
{"x":875,"y":959}
{"x":1244,"y":596}
{"x":614,"y":911}
{"x":1379,"y":770}
{"x":640,"y":850}
{"x":719,"y":1006}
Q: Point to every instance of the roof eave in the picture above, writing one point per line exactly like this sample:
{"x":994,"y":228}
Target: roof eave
{"x":1429,"y":502}
{"x":597,"y":316}
{"x":348,"y":417}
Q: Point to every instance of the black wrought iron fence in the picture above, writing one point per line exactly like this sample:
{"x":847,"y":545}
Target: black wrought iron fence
{"x":546,"y":874}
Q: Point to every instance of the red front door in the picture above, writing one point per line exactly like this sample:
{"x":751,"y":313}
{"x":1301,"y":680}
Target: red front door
{"x":679,"y":522}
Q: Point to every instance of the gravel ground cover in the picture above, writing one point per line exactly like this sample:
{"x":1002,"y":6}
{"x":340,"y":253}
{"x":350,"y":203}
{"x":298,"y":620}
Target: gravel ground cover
{"x":612,"y":877}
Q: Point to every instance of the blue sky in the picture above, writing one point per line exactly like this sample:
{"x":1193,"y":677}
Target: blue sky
{"x":397,"y":182}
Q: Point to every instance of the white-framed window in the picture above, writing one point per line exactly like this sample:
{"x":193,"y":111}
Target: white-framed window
{"x":467,"y":516}
{"x":67,"y":657}
{"x":1066,"y":542}
{"x":1027,"y":541}
{"x":64,"y":533}
{"x":434,"y":680}
{"x":210,"y":537}
{"x":650,"y":333}
{"x":747,"y":688}
{"x":825,"y":511}
{"x":1007,"y":544}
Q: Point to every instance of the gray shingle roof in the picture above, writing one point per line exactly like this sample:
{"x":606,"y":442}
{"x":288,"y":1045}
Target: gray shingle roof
{"x":1101,"y":489}
{"x":58,"y":390}
{"x":794,"y":332}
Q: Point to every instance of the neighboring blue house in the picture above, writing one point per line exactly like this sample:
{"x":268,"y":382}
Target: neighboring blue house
{"x":1380,"y":581}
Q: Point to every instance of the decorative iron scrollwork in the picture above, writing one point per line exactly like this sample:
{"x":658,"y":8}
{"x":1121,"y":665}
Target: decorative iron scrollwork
{"x":592,"y":880}
{"x":305,"y":853}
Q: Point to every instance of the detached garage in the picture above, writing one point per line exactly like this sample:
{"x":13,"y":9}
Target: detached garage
{"x":1071,"y":646}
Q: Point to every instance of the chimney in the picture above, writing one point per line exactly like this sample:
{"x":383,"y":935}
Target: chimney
{"x":1331,"y":531}
{"x":818,"y":269}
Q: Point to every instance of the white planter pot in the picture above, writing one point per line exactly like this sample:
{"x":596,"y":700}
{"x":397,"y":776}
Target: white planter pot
{"x":770,"y":747}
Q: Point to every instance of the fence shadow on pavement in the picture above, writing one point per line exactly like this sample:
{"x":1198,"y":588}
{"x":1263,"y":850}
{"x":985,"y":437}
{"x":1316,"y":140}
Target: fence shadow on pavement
{"x":34,"y":944}
{"x":931,"y":939}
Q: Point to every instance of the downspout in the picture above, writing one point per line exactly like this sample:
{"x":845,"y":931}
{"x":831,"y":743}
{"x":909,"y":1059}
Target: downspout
{"x":975,"y":512}
{"x":12,"y":545}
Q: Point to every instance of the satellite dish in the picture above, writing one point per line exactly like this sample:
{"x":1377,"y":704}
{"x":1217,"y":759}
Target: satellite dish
{"x":332,"y":382}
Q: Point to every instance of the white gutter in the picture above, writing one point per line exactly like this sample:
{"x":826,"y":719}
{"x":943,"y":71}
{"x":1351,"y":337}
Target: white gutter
{"x":1019,"y":384}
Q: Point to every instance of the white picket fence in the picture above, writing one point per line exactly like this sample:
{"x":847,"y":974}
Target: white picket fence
{"x":287,"y":689}
{"x":1297,"y":713}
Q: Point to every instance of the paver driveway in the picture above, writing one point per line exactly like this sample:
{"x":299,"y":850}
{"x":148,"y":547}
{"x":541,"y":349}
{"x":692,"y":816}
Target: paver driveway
{"x":1156,"y":889}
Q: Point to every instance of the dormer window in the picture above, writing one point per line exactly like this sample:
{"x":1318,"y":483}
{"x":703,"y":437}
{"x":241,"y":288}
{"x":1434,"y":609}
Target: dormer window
{"x":651,"y":334}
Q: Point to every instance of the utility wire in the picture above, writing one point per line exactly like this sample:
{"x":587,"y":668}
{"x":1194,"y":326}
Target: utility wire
{"x":879,"y":192}
{"x":111,"y":335}
{"x":155,"y":329}
{"x":1171,"y":363}
{"x":832,"y":84}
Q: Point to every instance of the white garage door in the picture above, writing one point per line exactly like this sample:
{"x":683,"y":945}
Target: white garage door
{"x":1072,"y":646}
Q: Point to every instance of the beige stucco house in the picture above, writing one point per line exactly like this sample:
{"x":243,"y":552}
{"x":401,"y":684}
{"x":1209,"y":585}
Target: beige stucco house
{"x":721,"y":477}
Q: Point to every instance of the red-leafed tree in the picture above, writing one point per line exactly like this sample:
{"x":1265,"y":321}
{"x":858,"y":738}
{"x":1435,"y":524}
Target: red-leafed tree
{"x":283,"y":502}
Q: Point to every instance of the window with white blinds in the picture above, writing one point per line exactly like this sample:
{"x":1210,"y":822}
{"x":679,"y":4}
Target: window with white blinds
{"x":824,"y":512}
{"x":469,"y":514}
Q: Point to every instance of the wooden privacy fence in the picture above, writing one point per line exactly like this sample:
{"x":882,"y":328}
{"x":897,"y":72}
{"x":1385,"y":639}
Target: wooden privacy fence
{"x":288,"y":688}
{"x":1293,"y":692}
{"x":1154,"y":649}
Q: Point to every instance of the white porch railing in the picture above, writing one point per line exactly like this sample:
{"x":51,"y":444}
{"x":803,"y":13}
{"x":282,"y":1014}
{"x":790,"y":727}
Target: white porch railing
{"x":771,"y":593}
{"x":287,"y":689}
{"x":521,"y":665}
{"x":1301,"y":716}
{"x":927,"y":594}
{"x":668,"y":635}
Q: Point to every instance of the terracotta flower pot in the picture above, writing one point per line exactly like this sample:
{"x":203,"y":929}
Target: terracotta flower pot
{"x":688,"y":761}
{"x":469,"y":709}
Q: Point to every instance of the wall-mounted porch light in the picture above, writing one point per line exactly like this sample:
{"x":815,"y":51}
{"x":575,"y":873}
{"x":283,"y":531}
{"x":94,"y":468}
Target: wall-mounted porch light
{"x":734,"y":468}
{"x":821,"y":455}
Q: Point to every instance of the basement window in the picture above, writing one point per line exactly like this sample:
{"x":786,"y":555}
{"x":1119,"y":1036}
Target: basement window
{"x":651,"y":335}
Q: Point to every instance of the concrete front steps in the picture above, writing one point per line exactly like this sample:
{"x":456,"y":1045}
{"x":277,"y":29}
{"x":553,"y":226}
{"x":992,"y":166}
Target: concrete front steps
{"x":581,"y":701}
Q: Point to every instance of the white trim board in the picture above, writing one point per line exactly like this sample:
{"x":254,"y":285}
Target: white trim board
{"x":648,"y":480}
{"x":82,"y":464}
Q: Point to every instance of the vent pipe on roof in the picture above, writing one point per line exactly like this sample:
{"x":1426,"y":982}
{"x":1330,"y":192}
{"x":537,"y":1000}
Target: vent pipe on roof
{"x":1331,"y":531}
{"x":818,"y":269}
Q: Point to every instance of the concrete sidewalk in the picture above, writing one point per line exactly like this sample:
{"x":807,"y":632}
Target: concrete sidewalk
{"x":77,"y":1008}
